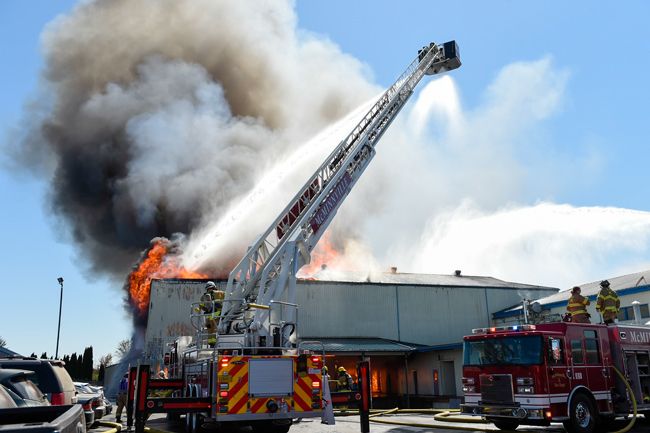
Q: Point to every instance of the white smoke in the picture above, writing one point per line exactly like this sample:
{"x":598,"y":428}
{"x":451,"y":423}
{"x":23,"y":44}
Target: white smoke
{"x":450,"y":186}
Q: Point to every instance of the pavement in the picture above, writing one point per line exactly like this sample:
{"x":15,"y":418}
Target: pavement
{"x":350,"y":424}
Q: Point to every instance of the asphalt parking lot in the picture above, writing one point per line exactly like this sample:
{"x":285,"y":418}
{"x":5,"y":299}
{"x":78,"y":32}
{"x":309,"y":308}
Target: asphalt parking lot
{"x":350,"y":424}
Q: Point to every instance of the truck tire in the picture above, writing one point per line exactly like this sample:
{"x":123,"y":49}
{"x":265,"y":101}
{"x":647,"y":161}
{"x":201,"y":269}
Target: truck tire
{"x":505,"y":424}
{"x":583,"y":416}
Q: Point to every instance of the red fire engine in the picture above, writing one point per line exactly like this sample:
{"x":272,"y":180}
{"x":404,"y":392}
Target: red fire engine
{"x":556,"y":372}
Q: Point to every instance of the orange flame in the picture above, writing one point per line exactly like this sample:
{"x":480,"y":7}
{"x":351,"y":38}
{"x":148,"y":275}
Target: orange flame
{"x":156,"y":263}
{"x":324,"y":255}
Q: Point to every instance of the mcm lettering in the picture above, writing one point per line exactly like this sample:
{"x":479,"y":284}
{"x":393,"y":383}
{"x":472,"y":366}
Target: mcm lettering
{"x":331,"y":202}
{"x":641,"y":337}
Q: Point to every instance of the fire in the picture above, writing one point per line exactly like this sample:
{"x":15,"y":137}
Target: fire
{"x":156,"y":263}
{"x":324,"y":255}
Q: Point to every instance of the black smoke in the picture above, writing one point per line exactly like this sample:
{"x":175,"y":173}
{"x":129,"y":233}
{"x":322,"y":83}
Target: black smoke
{"x":153,"y":116}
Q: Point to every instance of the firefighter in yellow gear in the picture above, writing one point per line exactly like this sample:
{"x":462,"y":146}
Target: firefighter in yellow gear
{"x":210,"y":306}
{"x":608,"y":304}
{"x":345,"y":380}
{"x":577,"y":307}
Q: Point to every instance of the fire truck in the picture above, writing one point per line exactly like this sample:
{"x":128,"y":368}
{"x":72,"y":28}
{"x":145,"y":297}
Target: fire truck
{"x":255,"y":371}
{"x":583,"y":375}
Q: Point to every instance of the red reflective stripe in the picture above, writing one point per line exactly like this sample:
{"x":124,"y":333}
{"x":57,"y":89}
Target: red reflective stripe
{"x":233,"y":371}
{"x":304,"y":386}
{"x":235,"y":408}
{"x":301,"y":403}
{"x":258,"y":404}
{"x":240,"y":384}
{"x":195,"y":405}
{"x":165,"y":384}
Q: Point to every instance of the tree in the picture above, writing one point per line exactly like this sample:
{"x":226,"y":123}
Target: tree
{"x":123,"y":347}
{"x":100,"y":373}
{"x":3,"y":342}
{"x":73,"y":365}
{"x":87,"y":364}
{"x":104,"y":362}
{"x":44,"y":355}
{"x":33,"y":355}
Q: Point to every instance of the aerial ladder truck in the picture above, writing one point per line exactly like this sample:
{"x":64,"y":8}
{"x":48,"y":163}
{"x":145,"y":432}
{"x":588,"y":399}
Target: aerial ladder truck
{"x":258,"y":372}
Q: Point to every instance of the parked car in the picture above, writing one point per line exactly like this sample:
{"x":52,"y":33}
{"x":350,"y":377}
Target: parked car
{"x":7,"y":398}
{"x":50,"y":377}
{"x":40,"y":419}
{"x":107,"y":403}
{"x":89,"y":412}
{"x":18,"y":382}
{"x":97,"y":403}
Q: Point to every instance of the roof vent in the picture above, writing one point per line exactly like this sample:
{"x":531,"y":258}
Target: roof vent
{"x":323,"y":266}
{"x":457,"y":272}
{"x":393,"y":269}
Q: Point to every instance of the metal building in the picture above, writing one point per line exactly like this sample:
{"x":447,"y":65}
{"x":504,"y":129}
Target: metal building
{"x":409,"y":325}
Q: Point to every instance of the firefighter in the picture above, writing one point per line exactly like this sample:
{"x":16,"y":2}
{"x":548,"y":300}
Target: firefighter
{"x":577,"y":307}
{"x":210,"y":305}
{"x":121,"y":397}
{"x":345,"y":380}
{"x":608,"y":303}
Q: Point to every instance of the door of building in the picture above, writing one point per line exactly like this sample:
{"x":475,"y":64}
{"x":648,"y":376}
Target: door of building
{"x":448,"y":378}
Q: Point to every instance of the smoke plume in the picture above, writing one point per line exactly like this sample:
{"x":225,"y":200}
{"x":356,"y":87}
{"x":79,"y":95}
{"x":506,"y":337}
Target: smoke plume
{"x":203,"y":117}
{"x":155,"y":114}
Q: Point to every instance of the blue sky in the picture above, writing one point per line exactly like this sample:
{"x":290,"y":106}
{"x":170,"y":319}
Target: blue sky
{"x":602,"y":116}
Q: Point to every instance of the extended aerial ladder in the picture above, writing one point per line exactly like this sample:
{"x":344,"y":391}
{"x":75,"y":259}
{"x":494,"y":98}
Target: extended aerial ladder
{"x":259,"y":308}
{"x":257,"y":374}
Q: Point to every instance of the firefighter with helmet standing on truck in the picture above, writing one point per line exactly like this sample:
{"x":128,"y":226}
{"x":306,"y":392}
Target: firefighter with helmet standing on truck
{"x":607,"y":303}
{"x":577,"y":307}
{"x":210,"y":306}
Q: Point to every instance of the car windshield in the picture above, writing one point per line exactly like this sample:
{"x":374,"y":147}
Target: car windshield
{"x":6,"y":401}
{"x":524,"y":350}
{"x":27,"y":389}
{"x":84,"y":389}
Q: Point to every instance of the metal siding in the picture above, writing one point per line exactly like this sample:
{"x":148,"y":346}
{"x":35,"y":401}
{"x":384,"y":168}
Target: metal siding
{"x":331,"y":309}
{"x":169,"y":308}
{"x":441,"y":315}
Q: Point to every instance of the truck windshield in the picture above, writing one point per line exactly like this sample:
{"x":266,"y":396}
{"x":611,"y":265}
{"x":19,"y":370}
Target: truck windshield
{"x":525,"y":350}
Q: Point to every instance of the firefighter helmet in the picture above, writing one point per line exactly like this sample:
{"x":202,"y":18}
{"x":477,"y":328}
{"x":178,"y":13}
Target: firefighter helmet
{"x":341,"y":369}
{"x":210,"y":285}
{"x":604,"y":283}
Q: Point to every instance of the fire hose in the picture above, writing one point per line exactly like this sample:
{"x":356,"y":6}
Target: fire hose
{"x":441,"y":415}
{"x":629,"y":390}
{"x":445,"y":415}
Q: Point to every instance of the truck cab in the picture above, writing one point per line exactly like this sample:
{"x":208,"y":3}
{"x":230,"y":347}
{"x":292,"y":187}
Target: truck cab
{"x":553,"y":372}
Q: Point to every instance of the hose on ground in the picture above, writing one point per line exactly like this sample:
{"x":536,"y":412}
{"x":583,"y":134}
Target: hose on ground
{"x":115,"y":427}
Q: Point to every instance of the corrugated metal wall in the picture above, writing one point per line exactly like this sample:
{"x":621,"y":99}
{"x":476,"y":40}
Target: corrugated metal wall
{"x":413,"y":314}
{"x":330,"y":309}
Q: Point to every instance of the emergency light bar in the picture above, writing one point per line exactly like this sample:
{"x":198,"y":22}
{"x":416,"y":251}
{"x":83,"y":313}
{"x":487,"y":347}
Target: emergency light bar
{"x":494,"y":329}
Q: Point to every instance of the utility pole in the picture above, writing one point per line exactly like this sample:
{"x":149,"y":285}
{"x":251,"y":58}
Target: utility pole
{"x":58,"y":332}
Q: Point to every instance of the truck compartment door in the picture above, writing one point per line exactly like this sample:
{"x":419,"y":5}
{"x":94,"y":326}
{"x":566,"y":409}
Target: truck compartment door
{"x":270,"y":377}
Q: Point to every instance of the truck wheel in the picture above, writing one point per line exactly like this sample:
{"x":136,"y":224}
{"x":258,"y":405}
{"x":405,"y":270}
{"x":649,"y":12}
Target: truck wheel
{"x":505,"y":424}
{"x":583,"y":417}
